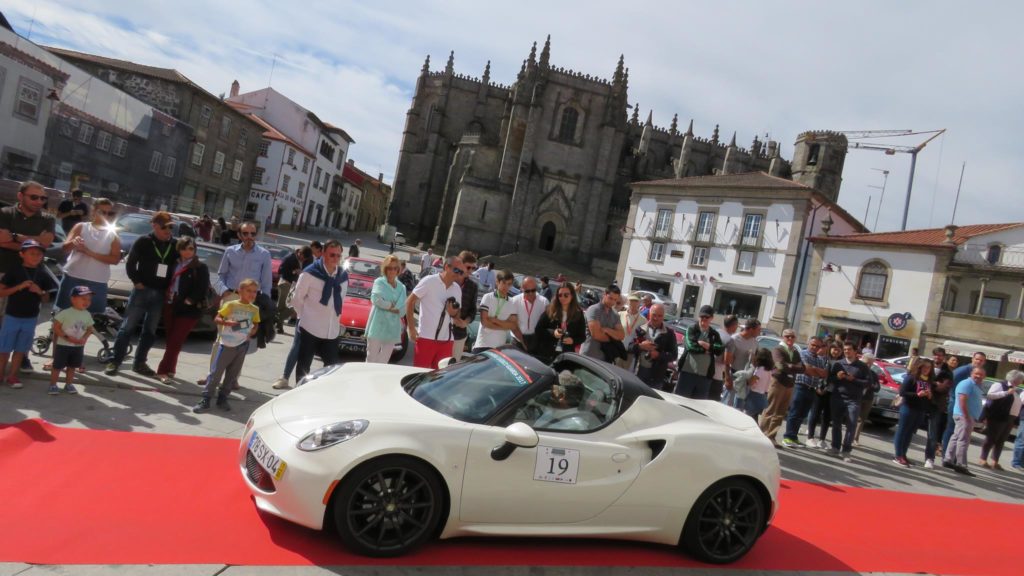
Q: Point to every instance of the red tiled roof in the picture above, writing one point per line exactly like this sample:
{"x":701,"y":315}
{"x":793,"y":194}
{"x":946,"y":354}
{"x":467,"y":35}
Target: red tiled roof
{"x":932,"y":237}
{"x":743,"y":180}
{"x":354,"y":175}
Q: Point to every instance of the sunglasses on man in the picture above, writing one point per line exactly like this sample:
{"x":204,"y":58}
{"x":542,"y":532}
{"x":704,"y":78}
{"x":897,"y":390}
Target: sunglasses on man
{"x":36,"y":197}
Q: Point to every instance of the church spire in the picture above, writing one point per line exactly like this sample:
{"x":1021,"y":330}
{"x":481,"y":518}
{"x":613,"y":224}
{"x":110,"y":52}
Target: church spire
{"x":714,"y":135}
{"x":636,"y":114}
{"x":689,"y":131}
{"x":617,"y":77}
{"x":426,"y":66}
{"x":732,"y":143}
{"x":533,"y":55}
{"x":674,"y":129}
{"x":487,"y":72}
{"x":650,"y":119}
{"x":449,"y":68}
{"x":625,"y":81}
{"x":545,"y":54}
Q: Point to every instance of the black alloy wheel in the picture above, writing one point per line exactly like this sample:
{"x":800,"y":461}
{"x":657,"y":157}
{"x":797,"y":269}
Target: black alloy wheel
{"x":388,"y":506}
{"x":725,"y":522}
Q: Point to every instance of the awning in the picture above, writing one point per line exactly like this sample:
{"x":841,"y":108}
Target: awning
{"x":1016,"y":356}
{"x":958,"y":348}
{"x":852,"y":323}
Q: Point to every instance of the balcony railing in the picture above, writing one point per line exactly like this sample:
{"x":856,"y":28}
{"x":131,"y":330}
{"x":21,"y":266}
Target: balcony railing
{"x":750,"y":242}
{"x":977,"y":255}
{"x":703,"y":237}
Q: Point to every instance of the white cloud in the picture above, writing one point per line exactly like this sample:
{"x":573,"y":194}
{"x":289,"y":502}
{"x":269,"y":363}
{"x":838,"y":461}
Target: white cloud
{"x":751,"y":67}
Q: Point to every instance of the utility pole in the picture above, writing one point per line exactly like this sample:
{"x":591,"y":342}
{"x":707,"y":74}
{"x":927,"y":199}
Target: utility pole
{"x":885,"y":180}
{"x":957,"y":201}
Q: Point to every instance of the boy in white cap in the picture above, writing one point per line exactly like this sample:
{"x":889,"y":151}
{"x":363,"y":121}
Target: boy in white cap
{"x":72,"y":327}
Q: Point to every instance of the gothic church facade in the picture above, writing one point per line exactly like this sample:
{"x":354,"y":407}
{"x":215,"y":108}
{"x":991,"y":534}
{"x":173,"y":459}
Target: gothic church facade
{"x":545,"y":165}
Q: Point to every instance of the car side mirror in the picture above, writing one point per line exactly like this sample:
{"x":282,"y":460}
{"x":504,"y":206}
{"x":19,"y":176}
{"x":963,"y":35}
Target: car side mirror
{"x":517,"y":435}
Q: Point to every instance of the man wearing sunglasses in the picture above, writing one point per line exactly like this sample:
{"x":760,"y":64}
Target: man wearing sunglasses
{"x":247,"y":259}
{"x":439,"y":297}
{"x":529,"y":307}
{"x":26,"y":220}
{"x":150,"y":266}
{"x":467,"y":312}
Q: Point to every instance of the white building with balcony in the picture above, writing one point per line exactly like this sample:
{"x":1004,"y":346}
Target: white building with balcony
{"x":737,"y":242}
{"x":957,"y":287}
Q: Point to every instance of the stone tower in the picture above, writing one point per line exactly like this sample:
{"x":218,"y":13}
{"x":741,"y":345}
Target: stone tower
{"x":818,"y":160}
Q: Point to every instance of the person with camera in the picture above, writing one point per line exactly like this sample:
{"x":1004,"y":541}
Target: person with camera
{"x":654,"y":346}
{"x":632,"y":322}
{"x":849,"y":378}
{"x":467,"y":309}
{"x":497,"y":315}
{"x":439,"y":297}
{"x":562,"y":328}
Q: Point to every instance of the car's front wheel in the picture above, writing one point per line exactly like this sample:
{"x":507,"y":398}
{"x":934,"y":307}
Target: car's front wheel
{"x":388,"y":506}
{"x":725,"y":522}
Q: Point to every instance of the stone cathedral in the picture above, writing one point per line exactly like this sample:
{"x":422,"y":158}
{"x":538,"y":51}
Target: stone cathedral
{"x":544,"y":165}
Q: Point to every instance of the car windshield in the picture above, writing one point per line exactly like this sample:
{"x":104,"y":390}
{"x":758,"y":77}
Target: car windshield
{"x":359,"y":289}
{"x":363,"y":268}
{"x":134,"y":225}
{"x":278,"y":251}
{"x":470,"y":390}
{"x":210,"y":257}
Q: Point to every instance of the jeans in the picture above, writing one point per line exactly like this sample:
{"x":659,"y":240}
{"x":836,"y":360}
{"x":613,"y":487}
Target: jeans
{"x":715,"y":390}
{"x":936,"y":427}
{"x":844,"y":421}
{"x":949,"y":425}
{"x":693,"y":385}
{"x":293,"y":356}
{"x":803,"y":399}
{"x":754,"y":404}
{"x":910,"y":420}
{"x":145,"y":307}
{"x":1018,"y":445}
{"x":821,"y":411}
{"x":309,"y":346}
{"x":728,"y":397}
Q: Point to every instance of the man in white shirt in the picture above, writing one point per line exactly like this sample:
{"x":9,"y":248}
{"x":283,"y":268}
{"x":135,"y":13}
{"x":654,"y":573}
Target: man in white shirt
{"x":319,"y":293}
{"x":530,"y":306}
{"x":497,"y":315}
{"x":438,"y":296}
{"x":425,"y":261}
{"x":632,"y":320}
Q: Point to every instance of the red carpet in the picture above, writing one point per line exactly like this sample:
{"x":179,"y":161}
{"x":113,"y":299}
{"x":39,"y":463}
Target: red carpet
{"x":100,"y":497}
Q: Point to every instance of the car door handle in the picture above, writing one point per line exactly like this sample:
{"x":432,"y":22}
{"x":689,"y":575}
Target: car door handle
{"x":620,"y":457}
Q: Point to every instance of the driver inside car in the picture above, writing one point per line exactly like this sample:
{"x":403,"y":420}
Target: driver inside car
{"x":562,"y":408}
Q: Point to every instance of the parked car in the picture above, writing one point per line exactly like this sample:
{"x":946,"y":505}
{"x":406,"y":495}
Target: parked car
{"x":120,"y":286}
{"x":130,"y":226}
{"x":890,"y":376}
{"x":392,"y":457}
{"x":670,"y":306}
{"x":399,"y":238}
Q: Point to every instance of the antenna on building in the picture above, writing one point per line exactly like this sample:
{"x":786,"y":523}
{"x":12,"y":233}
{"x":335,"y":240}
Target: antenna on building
{"x":957,"y":201}
{"x":273,"y":65}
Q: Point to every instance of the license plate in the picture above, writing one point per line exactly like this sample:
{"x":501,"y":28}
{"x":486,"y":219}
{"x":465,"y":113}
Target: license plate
{"x":265,"y":456}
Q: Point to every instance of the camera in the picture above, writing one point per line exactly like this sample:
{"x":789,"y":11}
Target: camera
{"x":454,"y":303}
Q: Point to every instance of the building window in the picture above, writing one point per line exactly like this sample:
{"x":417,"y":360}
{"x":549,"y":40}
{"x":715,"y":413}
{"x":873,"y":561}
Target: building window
{"x":169,"y":164}
{"x":291,"y":157}
{"x":326,"y":150}
{"x":257,"y":175}
{"x":264,"y":149}
{"x":29,"y":96}
{"x":993,"y":254}
{"x":243,"y":139}
{"x":316,"y":178}
{"x":155,"y":161}
{"x":951,"y":297}
{"x":236,"y":172}
{"x":218,"y":162}
{"x":205,"y":114}
{"x":567,"y":126}
{"x":699,"y":257}
{"x":812,"y":154}
{"x":745,"y":262}
{"x":103,"y":140}
{"x":285,"y":182}
{"x":225,"y":127}
{"x":751,"y":229}
{"x":657,"y":252}
{"x":873,"y":279}
{"x":85,"y":133}
{"x":305,"y":165}
{"x":64,"y":172}
{"x":120,"y":147}
{"x":197,"y":154}
{"x":993,"y":306}
{"x":67,"y":128}
{"x":705,"y":227}
{"x":664,"y":223}
{"x":302,"y":189}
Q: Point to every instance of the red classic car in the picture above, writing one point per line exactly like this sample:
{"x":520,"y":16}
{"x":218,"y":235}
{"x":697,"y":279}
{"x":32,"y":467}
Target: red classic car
{"x":356,"y":309}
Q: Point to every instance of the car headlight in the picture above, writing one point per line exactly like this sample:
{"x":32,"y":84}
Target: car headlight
{"x":318,"y":374}
{"x":332,"y":434}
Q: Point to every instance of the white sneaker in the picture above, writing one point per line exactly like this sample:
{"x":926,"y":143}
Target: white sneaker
{"x":281,"y":384}
{"x":812,"y":443}
{"x":929,"y":464}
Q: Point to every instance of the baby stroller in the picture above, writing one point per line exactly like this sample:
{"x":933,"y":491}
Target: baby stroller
{"x":105,"y":325}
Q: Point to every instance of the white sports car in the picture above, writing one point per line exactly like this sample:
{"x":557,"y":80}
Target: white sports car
{"x":501,"y":444}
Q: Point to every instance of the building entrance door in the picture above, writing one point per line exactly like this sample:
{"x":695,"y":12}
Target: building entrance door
{"x":691,"y":294}
{"x":547,"y":237}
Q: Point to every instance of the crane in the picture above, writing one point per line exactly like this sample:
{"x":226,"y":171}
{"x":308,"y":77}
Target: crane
{"x":892,"y":149}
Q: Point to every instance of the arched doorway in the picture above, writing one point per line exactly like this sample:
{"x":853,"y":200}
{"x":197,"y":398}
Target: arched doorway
{"x":547,"y":237}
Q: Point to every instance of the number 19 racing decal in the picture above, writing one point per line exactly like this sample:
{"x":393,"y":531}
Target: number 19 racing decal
{"x":561,"y":465}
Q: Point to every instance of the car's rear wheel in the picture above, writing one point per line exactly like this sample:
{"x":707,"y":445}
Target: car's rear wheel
{"x":388,"y":506}
{"x":725,"y":522}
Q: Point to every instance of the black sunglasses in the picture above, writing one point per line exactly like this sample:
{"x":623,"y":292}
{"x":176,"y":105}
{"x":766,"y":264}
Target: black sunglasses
{"x":35,"y":197}
{"x":530,"y":291}
{"x":458,"y":271}
{"x":565,"y":294}
{"x":246,"y":233}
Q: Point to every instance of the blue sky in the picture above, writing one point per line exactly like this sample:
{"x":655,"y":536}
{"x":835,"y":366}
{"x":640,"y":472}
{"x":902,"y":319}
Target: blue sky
{"x":751,"y":67}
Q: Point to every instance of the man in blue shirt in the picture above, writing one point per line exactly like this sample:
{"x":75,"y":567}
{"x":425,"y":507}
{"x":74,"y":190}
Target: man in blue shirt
{"x":962,"y":373}
{"x":966,"y":411}
{"x":249,"y":260}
